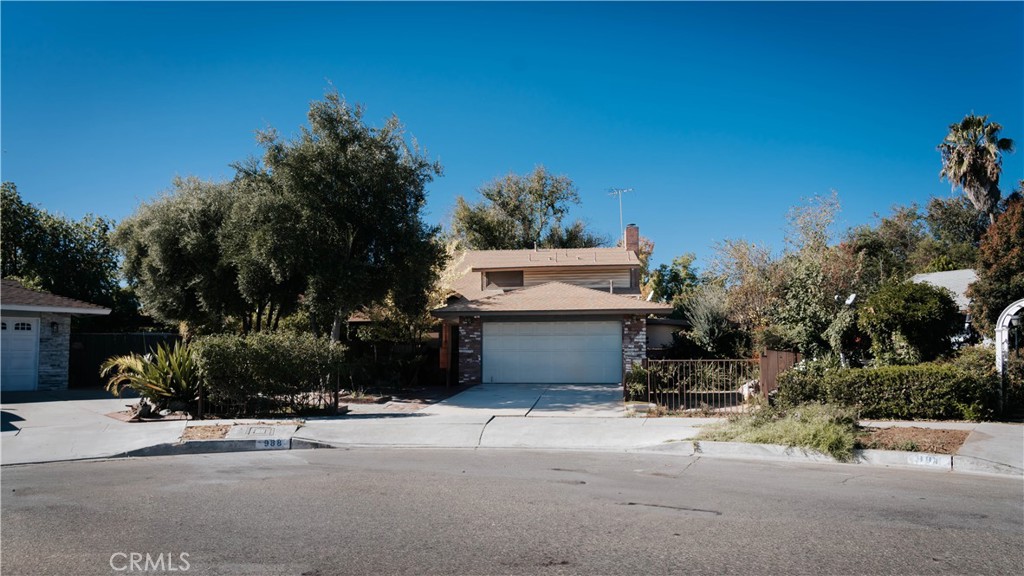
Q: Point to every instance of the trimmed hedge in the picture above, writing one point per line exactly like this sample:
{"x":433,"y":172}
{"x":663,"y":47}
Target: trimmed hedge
{"x":266,"y":372}
{"x":926,"y":391}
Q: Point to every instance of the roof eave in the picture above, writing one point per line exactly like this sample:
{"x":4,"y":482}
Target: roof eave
{"x":54,"y":309}
{"x":560,"y":265}
{"x":591,"y":312}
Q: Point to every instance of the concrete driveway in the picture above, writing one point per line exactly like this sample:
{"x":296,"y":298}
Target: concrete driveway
{"x":72,"y":425}
{"x":534,"y":400}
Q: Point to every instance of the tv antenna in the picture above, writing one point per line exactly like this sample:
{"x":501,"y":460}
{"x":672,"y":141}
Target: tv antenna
{"x":619,"y":192}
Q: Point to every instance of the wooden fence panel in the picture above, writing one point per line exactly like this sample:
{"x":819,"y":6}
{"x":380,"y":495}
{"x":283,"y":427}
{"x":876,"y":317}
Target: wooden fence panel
{"x":773,"y":363}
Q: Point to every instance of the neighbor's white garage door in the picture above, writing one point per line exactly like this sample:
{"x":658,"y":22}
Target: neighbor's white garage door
{"x":552,"y":352}
{"x":19,"y":353}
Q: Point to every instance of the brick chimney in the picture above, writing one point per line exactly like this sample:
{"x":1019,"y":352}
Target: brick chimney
{"x":633,"y":238}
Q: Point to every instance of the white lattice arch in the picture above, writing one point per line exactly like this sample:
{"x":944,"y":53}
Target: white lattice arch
{"x":1003,"y":333}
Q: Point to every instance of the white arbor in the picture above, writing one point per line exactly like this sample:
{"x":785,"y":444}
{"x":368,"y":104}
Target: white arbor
{"x":1003,"y":332}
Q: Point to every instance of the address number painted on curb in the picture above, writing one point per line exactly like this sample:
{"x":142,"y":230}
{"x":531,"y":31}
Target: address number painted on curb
{"x":927,"y":460}
{"x":272,"y":444}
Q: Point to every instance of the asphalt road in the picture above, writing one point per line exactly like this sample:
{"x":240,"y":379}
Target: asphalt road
{"x":323,"y":512}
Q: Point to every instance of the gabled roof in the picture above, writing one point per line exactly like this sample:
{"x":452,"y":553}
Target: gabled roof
{"x":470,"y":263}
{"x":552,"y":298}
{"x":15,"y":297}
{"x":956,"y":281}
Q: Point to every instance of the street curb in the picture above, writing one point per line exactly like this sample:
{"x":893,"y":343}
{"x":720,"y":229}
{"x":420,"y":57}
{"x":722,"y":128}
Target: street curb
{"x":883,"y":458}
{"x":976,"y":465}
{"x":222,"y":446}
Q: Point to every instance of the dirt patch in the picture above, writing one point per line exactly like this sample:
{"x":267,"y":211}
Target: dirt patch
{"x":912,"y":439}
{"x":126,"y":416}
{"x":206,"y":432}
{"x":364,"y":399}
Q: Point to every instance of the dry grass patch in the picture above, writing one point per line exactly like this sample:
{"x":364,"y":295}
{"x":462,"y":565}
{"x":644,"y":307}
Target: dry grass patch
{"x":206,"y":432}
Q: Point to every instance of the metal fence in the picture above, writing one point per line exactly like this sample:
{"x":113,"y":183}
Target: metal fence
{"x":702,"y":385}
{"x":89,"y":351}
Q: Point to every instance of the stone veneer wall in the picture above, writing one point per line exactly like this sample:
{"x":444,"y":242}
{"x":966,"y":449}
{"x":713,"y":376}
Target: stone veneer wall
{"x":634,"y":341}
{"x":471,"y":333}
{"x":54,"y":350}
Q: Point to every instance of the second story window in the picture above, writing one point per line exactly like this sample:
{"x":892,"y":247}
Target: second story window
{"x":503,"y":279}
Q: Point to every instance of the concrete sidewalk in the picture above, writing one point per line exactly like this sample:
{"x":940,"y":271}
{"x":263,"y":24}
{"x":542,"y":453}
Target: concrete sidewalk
{"x":48,"y":427}
{"x":69,"y":428}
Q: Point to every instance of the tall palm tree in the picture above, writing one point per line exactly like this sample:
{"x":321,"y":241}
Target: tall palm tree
{"x":972,"y":160}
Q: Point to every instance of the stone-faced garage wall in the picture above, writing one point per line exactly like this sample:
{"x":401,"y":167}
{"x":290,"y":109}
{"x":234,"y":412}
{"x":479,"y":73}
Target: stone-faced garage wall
{"x":54,"y":348}
{"x":634,"y":341}
{"x":471,"y":334}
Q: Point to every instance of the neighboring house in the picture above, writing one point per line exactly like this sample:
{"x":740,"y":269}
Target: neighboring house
{"x":661,"y":332}
{"x":36,"y":332}
{"x":956,"y":281}
{"x":546,"y":315}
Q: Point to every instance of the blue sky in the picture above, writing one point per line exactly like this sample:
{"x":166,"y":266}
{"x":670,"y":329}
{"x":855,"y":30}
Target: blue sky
{"x":720,"y":116}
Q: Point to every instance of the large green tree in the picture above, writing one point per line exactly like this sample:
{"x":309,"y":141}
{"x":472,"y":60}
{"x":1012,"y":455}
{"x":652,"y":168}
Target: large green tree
{"x":174,"y":256}
{"x":676,"y":280}
{"x":1000,"y":267}
{"x":73,"y":258}
{"x":332,"y":216}
{"x":521,"y":212}
{"x":972,"y":160}
{"x":357,"y":193}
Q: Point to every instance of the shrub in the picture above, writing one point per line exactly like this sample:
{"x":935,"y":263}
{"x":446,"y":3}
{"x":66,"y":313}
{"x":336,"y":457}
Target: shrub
{"x":828,"y":429}
{"x":167,"y":378}
{"x":956,"y":390}
{"x":981,"y":360}
{"x":636,"y":383}
{"x":268,"y":371}
{"x":804,"y":382}
{"x":909,"y":322}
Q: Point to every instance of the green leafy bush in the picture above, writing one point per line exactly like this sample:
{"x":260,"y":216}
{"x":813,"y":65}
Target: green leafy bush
{"x":267,"y":372}
{"x":925,"y":391}
{"x":636,"y":383}
{"x":909,"y":322}
{"x":981,"y":360}
{"x":804,"y":382}
{"x":167,"y":378}
{"x":934,"y":391}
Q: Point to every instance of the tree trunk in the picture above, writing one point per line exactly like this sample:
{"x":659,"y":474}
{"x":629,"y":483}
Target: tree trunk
{"x":336,"y":329}
{"x":270,"y":315}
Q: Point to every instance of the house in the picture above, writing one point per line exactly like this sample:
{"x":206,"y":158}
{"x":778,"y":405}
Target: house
{"x":36,"y":333}
{"x":546,"y":315}
{"x":956,"y":281}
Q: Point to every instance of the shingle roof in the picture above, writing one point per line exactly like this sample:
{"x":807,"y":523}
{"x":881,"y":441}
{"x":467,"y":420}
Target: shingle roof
{"x":956,"y":281}
{"x":14,"y":296}
{"x":469,"y":263}
{"x":550,"y":299}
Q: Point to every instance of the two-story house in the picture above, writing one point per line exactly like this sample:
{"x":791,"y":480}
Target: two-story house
{"x":547,"y":316}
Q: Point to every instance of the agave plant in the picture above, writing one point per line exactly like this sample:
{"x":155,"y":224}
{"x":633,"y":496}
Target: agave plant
{"x":168,"y":376}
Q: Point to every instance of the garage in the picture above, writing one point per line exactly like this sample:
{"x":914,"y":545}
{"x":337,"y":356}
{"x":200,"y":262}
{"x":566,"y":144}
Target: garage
{"x":36,"y":329}
{"x":19,"y":353}
{"x":583,"y":352}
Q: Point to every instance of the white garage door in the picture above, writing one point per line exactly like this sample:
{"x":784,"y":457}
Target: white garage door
{"x":19,"y":353}
{"x":552,"y":352}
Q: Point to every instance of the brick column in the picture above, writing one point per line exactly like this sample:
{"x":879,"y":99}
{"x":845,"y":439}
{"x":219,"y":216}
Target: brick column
{"x":634,"y":341}
{"x":54,"y":349}
{"x":471,"y":335}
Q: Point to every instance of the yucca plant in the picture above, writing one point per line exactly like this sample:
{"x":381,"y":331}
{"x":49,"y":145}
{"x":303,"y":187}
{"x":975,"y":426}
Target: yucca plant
{"x":168,"y":376}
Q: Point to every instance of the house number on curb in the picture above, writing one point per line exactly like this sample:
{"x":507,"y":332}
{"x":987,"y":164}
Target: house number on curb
{"x":272,"y":444}
{"x":926,"y":460}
